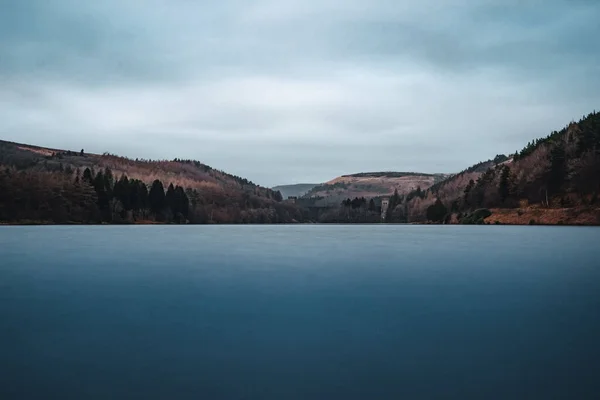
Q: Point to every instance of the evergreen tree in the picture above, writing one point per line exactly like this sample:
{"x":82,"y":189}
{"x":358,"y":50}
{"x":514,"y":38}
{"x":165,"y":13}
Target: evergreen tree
{"x":171,"y":199}
{"x":88,"y":176}
{"x":109,"y":181}
{"x":156,"y":197}
{"x":394,"y":201}
{"x":122,"y":192}
{"x":467,"y":192}
{"x":372,"y":205}
{"x":504,"y":189}
{"x":437,"y":212}
{"x":182,"y":202}
{"x":103,"y":197}
{"x":558,"y":171}
{"x":138,"y":196}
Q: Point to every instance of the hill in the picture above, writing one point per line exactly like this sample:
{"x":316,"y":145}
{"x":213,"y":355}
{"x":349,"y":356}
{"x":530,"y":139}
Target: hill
{"x":373,"y":184}
{"x":53,"y":185}
{"x":552,"y":180}
{"x":297,"y":190}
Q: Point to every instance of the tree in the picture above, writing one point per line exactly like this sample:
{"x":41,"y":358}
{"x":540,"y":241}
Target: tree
{"x":116,"y":209}
{"x":394,"y":201}
{"x":122,"y":192}
{"x":358,"y":202}
{"x":156,"y":197}
{"x":504,"y":189}
{"x":277,"y":196}
{"x":103,"y":197}
{"x":372,"y":205}
{"x":467,"y":191}
{"x":500,"y":158}
{"x":88,"y":176}
{"x":138,"y":196}
{"x":556,"y":176}
{"x":109,"y":180}
{"x":437,"y":212}
{"x":182,"y":203}
{"x":170,"y":199}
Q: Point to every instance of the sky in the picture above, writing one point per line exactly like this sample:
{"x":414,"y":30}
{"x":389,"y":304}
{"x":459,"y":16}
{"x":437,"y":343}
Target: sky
{"x":297,"y":91}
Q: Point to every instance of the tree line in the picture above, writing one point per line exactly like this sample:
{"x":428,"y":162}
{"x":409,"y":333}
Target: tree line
{"x":69,"y":196}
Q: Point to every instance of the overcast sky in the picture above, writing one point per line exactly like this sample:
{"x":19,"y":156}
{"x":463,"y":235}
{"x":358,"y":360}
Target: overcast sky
{"x":290,"y":91}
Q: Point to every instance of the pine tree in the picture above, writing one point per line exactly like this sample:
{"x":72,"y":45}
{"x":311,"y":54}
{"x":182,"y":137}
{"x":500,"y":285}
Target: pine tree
{"x":171,"y":199}
{"x":372,"y":205}
{"x":182,"y":202}
{"x":103,"y":197}
{"x":557,"y":172}
{"x":121,"y":192}
{"x":467,"y":192}
{"x":437,"y":212}
{"x":88,"y":176}
{"x":109,"y":181}
{"x":504,"y":189}
{"x":156,"y":197}
{"x":394,"y":201}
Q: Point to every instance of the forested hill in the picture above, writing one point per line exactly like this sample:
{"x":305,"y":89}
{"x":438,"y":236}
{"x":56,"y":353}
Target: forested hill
{"x":552,"y":180}
{"x":555,"y":179}
{"x":60,"y":186}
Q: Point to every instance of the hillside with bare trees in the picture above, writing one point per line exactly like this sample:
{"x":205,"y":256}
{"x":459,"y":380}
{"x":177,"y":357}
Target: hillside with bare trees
{"x":373,"y":184}
{"x":555,"y":179}
{"x":42,"y":185}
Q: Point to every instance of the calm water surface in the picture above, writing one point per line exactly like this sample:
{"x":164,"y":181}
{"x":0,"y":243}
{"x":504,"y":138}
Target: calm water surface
{"x":299,"y":312}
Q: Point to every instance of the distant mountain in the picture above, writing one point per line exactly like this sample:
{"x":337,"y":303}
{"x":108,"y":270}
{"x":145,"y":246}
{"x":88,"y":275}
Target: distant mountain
{"x":297,"y":190}
{"x":373,"y":184}
{"x":45,"y":185}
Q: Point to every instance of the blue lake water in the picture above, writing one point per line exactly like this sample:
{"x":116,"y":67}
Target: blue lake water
{"x":299,"y":312}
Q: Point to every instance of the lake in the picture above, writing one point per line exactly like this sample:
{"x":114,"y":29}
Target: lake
{"x":299,"y":312}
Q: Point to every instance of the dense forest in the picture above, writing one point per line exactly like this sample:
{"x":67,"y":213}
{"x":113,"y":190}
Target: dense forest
{"x":357,"y":210}
{"x":39,"y":185}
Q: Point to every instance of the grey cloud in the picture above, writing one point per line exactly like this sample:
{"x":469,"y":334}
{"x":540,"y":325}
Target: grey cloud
{"x":318,"y":88}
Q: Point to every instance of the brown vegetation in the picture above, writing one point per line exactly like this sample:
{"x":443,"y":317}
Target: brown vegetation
{"x":539,"y":215}
{"x":373,"y":185}
{"x":558,"y":175}
{"x":48,"y":185}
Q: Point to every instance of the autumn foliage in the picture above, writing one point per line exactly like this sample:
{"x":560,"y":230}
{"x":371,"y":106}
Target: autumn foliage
{"x":54,"y":186}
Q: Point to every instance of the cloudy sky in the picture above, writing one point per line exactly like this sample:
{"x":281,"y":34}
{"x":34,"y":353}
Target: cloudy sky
{"x":290,"y":91}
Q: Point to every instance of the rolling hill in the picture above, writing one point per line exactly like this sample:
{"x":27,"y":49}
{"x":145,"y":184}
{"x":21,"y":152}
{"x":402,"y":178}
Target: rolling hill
{"x":373,"y":184}
{"x":53,"y":185}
